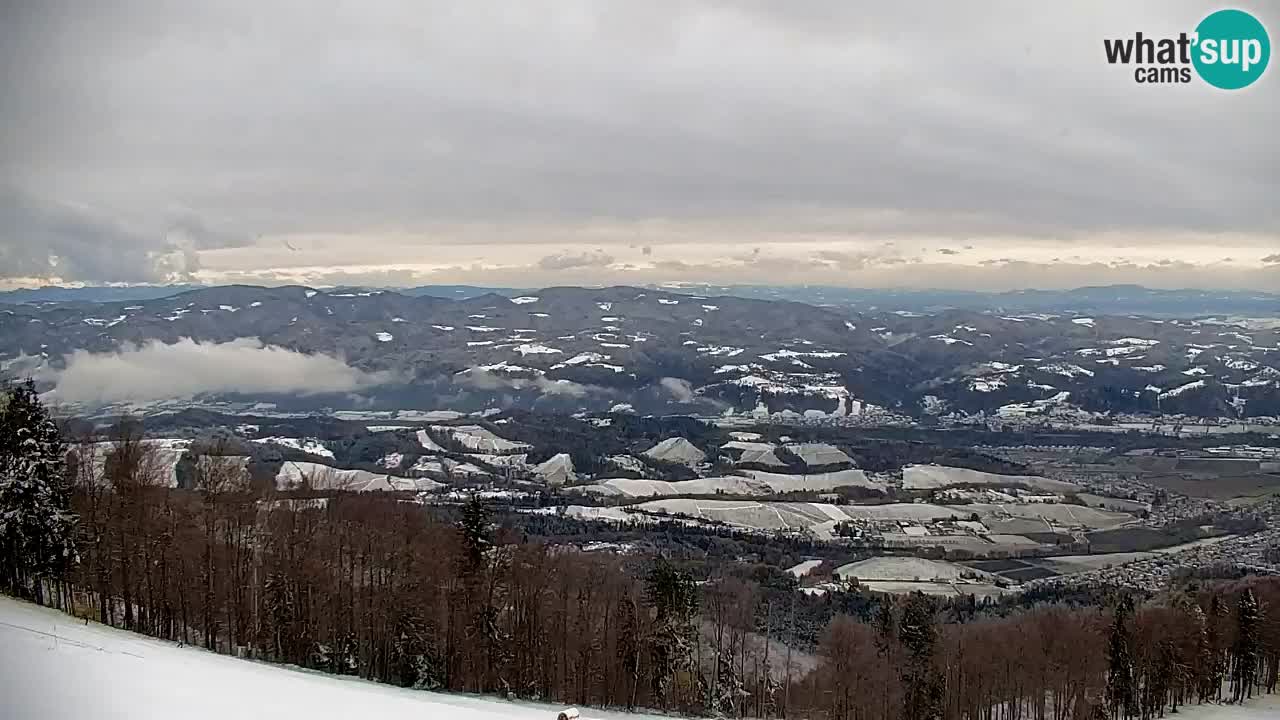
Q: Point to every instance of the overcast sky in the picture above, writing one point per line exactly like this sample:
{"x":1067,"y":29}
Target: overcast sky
{"x":976,"y":145}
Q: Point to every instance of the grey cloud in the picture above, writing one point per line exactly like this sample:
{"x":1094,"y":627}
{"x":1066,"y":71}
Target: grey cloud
{"x":38,"y":240}
{"x":480,"y":379}
{"x":676,"y":266}
{"x":995,"y":274}
{"x":858,"y":260}
{"x":187,"y":229}
{"x":525,"y":132}
{"x":76,"y":243}
{"x":159,"y":371}
{"x":680,"y":389}
{"x":774,"y":263}
{"x":560,"y":387}
{"x":948,"y":251}
{"x":347,"y":278}
{"x":568,"y":261}
{"x":1272,"y":258}
{"x":275,"y":120}
{"x":845,"y":260}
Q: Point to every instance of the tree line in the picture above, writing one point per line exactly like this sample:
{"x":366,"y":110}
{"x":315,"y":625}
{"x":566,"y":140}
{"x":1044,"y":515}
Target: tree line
{"x":427,"y":597}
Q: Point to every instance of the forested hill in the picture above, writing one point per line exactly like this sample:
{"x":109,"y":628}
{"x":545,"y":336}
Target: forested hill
{"x":652,"y":351}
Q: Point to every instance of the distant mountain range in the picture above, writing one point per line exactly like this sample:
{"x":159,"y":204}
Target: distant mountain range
{"x":1108,"y":299}
{"x":571,"y":349}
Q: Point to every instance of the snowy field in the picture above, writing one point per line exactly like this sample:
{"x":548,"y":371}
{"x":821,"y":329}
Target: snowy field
{"x":754,"y":482}
{"x":629,"y":487}
{"x":906,"y":568}
{"x":52,"y":666}
{"x":779,"y":482}
{"x":294,"y":473}
{"x":935,"y":477}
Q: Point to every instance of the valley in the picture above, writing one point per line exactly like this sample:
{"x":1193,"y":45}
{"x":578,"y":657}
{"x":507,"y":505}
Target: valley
{"x":981,"y":519}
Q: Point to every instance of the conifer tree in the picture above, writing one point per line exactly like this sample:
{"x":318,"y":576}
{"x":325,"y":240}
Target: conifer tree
{"x":886,"y":642}
{"x":1246,"y":651}
{"x":673,"y":596}
{"x":1121,"y":695}
{"x":417,"y":664}
{"x":476,"y":537}
{"x":918,"y":633}
{"x":629,"y":647}
{"x":37,"y":527}
{"x":1214,"y":656}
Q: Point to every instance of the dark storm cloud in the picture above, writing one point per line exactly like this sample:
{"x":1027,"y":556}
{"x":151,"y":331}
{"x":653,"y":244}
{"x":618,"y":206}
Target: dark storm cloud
{"x":353,"y":118}
{"x":75,"y":243}
{"x":38,"y":240}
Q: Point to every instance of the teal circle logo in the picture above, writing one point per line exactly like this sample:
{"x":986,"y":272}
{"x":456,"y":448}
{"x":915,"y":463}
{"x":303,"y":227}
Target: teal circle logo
{"x":1232,"y":49}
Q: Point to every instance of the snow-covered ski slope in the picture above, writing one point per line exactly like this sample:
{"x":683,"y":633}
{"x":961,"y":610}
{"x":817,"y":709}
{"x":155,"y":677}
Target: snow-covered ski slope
{"x":53,"y":667}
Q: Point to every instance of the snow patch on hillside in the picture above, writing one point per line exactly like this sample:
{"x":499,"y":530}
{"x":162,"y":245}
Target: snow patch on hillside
{"x":311,"y":446}
{"x":536,"y":349}
{"x":1182,"y":389}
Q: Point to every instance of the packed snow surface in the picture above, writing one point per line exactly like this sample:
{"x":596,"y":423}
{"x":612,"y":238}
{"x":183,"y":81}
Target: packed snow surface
{"x":54,"y":666}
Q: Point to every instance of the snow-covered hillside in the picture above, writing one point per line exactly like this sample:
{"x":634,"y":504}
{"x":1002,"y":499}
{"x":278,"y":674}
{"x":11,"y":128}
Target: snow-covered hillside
{"x":53,"y":666}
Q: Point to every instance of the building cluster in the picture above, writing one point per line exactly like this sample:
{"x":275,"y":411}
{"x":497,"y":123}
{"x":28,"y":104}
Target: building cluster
{"x":1249,"y":554}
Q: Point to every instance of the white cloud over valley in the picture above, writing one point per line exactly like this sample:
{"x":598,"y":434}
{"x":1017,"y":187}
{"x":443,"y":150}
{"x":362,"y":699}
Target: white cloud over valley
{"x":184,"y":369}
